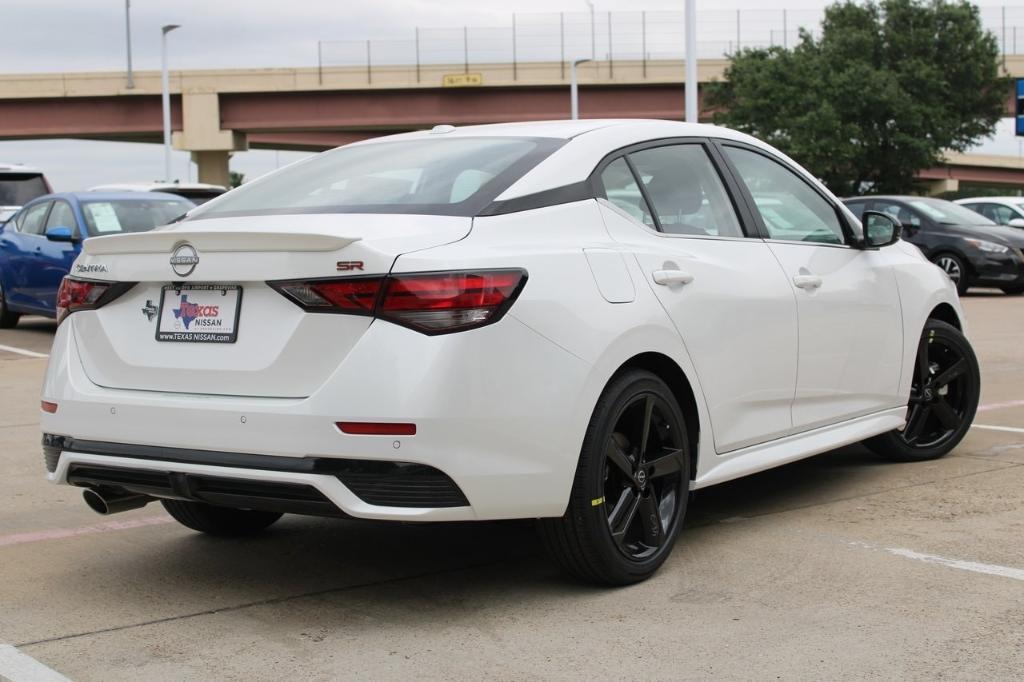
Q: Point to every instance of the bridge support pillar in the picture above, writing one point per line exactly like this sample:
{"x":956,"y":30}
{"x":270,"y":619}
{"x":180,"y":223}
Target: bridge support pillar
{"x":213,"y":167}
{"x":941,"y":186}
{"x":202,"y":135}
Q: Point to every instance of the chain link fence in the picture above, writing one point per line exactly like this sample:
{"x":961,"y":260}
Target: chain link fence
{"x":607,"y":37}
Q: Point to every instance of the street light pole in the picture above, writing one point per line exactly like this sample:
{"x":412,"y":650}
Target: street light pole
{"x":574,"y":95}
{"x":691,"y":61}
{"x":128,"y":40}
{"x":593,"y":33}
{"x":166,"y":98}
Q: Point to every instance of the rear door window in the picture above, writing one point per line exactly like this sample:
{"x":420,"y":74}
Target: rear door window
{"x":685,"y":191}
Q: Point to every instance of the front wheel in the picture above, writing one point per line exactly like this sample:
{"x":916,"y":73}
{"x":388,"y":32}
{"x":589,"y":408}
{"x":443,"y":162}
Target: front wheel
{"x":631,"y":487}
{"x":943,"y":398}
{"x":222,"y":521}
{"x":955,"y":269}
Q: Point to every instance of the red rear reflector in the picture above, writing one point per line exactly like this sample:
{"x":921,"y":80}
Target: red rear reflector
{"x":49,"y":407}
{"x":377,"y":429}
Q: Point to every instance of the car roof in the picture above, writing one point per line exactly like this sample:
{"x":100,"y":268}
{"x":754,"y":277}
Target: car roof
{"x":18,"y":168}
{"x":110,"y":196}
{"x":587,"y":142}
{"x":166,"y":187}
{"x":1012,"y":200}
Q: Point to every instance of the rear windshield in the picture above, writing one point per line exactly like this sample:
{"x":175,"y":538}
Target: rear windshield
{"x":17,"y":189}
{"x":455,"y":176}
{"x":131,"y":215}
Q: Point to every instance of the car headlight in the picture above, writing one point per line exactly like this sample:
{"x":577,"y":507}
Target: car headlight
{"x":987,"y":247}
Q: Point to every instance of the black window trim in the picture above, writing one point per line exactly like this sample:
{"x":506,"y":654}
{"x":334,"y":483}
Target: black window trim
{"x":851,"y":241}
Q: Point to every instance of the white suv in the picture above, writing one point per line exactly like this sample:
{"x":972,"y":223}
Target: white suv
{"x":1001,"y":210}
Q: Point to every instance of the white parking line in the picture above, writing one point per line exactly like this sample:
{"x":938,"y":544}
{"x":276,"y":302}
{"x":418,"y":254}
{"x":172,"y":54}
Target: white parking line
{"x":20,"y":667}
{"x":990,"y":569}
{"x":1000,"y":406}
{"x":991,"y":427}
{"x":22,"y":351}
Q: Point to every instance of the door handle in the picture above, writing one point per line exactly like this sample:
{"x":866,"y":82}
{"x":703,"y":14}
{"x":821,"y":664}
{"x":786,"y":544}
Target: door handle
{"x":668,"y":277}
{"x":807,"y":281}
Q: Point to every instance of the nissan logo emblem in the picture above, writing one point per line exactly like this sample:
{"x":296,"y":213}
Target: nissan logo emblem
{"x":184,"y":260}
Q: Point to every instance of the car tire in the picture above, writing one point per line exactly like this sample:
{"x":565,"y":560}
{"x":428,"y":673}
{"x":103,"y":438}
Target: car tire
{"x":620,"y":524}
{"x":8,"y":318}
{"x":1013,"y":291}
{"x":938,"y":416}
{"x":955,"y":268}
{"x":220,"y":521}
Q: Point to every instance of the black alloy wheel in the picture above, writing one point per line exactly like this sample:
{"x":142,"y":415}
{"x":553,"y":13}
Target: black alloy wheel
{"x":631,"y":487}
{"x":943,"y":397}
{"x":642,"y":468}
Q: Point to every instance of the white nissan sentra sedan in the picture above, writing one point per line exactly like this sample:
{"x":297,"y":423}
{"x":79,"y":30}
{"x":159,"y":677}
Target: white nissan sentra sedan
{"x":573,"y":321}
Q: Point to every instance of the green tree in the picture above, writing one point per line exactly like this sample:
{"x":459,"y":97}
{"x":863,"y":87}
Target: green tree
{"x":878,"y":96}
{"x":236,"y":178}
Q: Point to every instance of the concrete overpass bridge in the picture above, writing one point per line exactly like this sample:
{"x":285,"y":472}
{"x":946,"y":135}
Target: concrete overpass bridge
{"x":217,"y":112}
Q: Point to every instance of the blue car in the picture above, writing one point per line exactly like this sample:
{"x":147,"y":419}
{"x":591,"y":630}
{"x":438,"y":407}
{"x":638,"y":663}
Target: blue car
{"x":39,"y":244}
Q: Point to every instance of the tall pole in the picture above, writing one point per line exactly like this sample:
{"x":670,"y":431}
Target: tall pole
{"x":166,"y":98}
{"x":128,"y":41}
{"x":593,"y":31}
{"x":691,"y":61}
{"x":574,"y":95}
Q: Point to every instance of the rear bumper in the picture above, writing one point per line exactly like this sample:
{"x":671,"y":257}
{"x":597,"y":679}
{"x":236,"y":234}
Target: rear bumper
{"x":500,"y":412}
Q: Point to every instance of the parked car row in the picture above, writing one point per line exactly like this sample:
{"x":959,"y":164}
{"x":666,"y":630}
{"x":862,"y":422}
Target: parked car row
{"x":972,"y":249}
{"x":38,"y":246}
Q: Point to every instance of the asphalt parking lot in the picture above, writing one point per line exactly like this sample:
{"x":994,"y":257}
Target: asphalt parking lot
{"x":838,"y":566}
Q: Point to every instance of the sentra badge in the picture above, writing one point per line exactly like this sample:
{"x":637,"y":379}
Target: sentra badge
{"x":184,"y":260}
{"x":91,"y":267}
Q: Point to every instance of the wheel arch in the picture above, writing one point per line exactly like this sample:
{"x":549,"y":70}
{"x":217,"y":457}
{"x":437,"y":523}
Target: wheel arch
{"x":666,"y":369}
{"x":944,"y":312}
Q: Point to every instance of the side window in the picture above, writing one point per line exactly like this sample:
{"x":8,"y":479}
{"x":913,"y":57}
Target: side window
{"x":789,"y":206}
{"x":32,"y":222}
{"x":687,"y":194}
{"x":999,"y":214}
{"x":901,"y":213}
{"x":857,"y":208}
{"x":61,"y":216}
{"x":621,"y":189}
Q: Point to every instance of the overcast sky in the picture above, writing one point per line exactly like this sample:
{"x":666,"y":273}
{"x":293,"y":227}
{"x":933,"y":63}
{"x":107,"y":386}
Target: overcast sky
{"x":88,"y":35}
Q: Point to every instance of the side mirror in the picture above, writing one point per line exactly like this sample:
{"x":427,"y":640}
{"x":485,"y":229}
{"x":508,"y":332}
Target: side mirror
{"x":880,"y":229}
{"x":1016,"y":222}
{"x":60,"y":234}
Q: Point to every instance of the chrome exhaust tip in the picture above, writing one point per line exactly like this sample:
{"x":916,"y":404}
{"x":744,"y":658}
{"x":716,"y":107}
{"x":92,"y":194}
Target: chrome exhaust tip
{"x":105,"y":503}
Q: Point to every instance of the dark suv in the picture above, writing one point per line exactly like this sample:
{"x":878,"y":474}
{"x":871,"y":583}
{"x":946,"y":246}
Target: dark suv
{"x":973,"y":250}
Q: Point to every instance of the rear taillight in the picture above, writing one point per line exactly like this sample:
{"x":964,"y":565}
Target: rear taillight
{"x":429,"y":302}
{"x":81,"y":294}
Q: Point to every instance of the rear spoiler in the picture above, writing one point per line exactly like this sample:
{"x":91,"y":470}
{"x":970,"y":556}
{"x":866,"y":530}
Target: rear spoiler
{"x":164,"y":241}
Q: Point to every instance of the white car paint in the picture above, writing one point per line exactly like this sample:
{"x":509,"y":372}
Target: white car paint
{"x":778,"y":371}
{"x":1015,"y":204}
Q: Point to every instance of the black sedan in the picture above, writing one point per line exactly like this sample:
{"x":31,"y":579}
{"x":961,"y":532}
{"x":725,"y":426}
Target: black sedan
{"x":973,"y":250}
